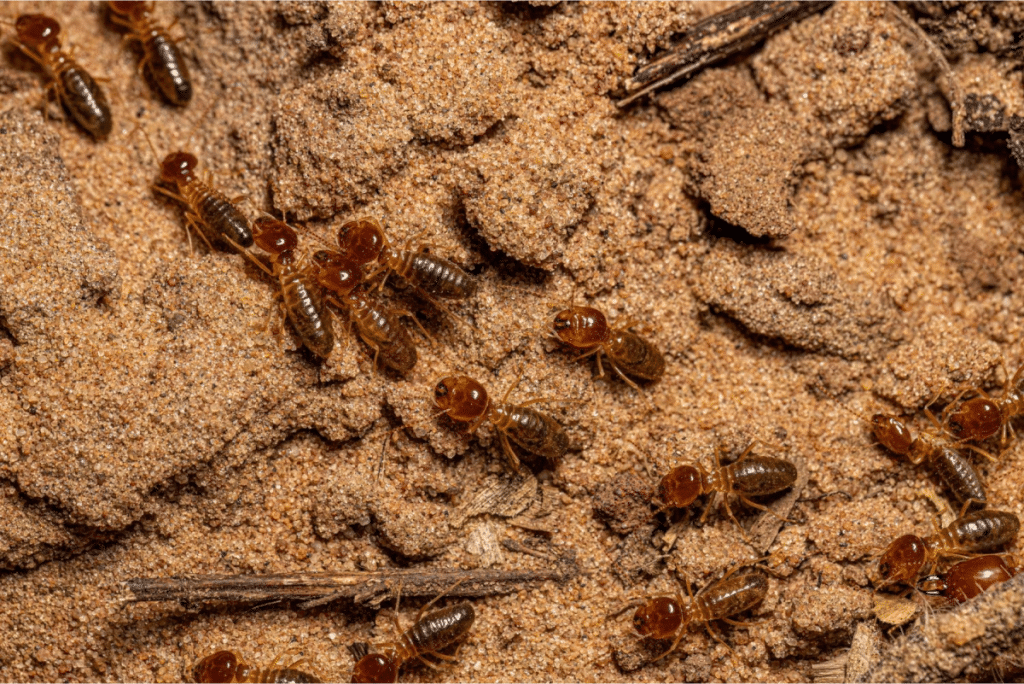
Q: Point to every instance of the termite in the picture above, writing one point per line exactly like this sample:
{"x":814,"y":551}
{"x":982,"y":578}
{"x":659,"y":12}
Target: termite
{"x":747,"y":476}
{"x":39,"y":38}
{"x":979,"y":531}
{"x":161,"y":53}
{"x":951,"y":466}
{"x":983,"y":416}
{"x":465,"y":400}
{"x":970,"y":578}
{"x":378,"y":327}
{"x":665,"y":617}
{"x":227,"y":666}
{"x":586,"y":328}
{"x":430,"y":634}
{"x":301,"y":296}
{"x":207,"y":206}
{"x":363,"y":241}
{"x":942,"y":454}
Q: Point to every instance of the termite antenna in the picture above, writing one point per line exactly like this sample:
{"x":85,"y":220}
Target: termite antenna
{"x":145,"y":134}
{"x":195,"y":126}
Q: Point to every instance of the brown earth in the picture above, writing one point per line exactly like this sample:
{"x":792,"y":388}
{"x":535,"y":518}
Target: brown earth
{"x":793,"y":229}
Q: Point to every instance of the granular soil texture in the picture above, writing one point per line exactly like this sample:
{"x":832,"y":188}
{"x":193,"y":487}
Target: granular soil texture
{"x":792,"y":228}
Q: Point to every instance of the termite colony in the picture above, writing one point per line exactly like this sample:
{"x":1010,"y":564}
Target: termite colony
{"x":316,"y":287}
{"x":977,"y":528}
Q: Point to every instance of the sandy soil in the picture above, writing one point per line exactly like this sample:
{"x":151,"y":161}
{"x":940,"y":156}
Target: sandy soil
{"x":794,"y":229}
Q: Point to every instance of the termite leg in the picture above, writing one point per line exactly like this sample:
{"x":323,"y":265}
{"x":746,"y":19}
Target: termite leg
{"x":593,"y":351}
{"x":190,"y":222}
{"x":770,"y":511}
{"x":511,"y":455}
{"x":410,"y":314}
{"x":643,"y":397}
{"x":981,"y":451}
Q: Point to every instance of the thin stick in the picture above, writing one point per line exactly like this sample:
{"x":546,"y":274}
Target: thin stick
{"x":716,"y":38}
{"x":364,"y":588}
{"x":956,"y":93}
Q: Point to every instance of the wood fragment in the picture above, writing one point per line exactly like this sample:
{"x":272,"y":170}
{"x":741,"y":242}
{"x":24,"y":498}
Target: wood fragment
{"x":1015,"y":126}
{"x":716,"y":38}
{"x":364,"y":588}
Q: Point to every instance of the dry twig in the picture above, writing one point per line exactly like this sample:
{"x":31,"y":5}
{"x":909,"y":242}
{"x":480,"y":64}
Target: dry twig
{"x":718,"y":37}
{"x":364,"y":588}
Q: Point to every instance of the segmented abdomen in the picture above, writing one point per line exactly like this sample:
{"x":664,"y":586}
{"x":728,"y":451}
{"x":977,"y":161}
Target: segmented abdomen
{"x":440,"y":629}
{"x":168,"y":66}
{"x":759,"y":475}
{"x":383,"y":331}
{"x":217,"y":212}
{"x":984,"y":530}
{"x":636,"y":356}
{"x":732,"y":595}
{"x":959,"y":475}
{"x":536,"y":432}
{"x":279,"y":675}
{"x":436,"y":276}
{"x":84,"y":99}
{"x":306,"y":310}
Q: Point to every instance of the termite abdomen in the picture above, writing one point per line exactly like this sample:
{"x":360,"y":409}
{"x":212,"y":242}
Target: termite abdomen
{"x":161,"y":54}
{"x":960,"y":476}
{"x":219,"y":213}
{"x":732,"y":595}
{"x":305,"y":308}
{"x":382,"y":331}
{"x":761,"y":475}
{"x":168,"y":68}
{"x":984,"y":530}
{"x":438,"y":276}
{"x":536,"y":432}
{"x":84,"y":99}
{"x":442,"y":628}
{"x":636,"y":356}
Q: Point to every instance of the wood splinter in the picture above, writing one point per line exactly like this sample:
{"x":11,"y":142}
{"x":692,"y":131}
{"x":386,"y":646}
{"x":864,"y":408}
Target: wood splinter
{"x":716,"y":38}
{"x":314,"y":589}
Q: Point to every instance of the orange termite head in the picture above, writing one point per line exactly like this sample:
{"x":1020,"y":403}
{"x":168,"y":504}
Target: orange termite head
{"x":336,"y":273}
{"x":659,"y":618}
{"x":976,"y":419}
{"x":273,"y":236}
{"x":681,"y":486}
{"x":177,"y":167}
{"x":463,"y":399}
{"x":361,"y":240}
{"x":38,"y":31}
{"x":903,"y":559}
{"x":325,"y":258}
{"x":375,"y":667}
{"x":219,"y":667}
{"x":892,"y":433}
{"x":581,"y":327}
